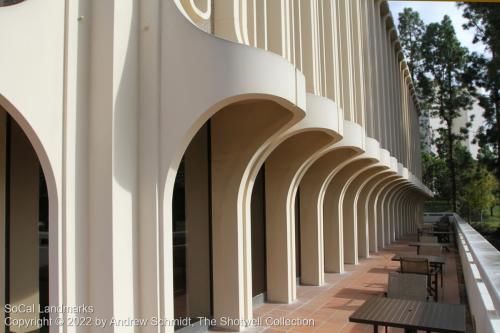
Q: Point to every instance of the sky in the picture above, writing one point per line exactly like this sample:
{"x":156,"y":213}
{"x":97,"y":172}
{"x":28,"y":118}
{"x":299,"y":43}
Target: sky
{"x":433,"y":11}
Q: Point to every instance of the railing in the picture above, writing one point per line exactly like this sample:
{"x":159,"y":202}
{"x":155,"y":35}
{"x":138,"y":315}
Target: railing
{"x":481,"y":269}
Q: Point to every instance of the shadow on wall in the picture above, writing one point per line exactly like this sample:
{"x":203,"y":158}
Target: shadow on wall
{"x":4,"y":3}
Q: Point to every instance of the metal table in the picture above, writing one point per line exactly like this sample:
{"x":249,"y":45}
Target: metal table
{"x":437,"y":261}
{"x":441,"y":234}
{"x":419,"y":244}
{"x":411,"y":315}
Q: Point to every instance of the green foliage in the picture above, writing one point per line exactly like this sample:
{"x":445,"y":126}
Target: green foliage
{"x":434,"y":173}
{"x":411,"y":29}
{"x":478,"y":194}
{"x":445,"y":64}
{"x":436,"y":206}
{"x":447,"y":78}
{"x":484,"y":20}
{"x":447,"y":92}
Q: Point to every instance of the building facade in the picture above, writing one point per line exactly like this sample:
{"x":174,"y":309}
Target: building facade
{"x":187,"y":158}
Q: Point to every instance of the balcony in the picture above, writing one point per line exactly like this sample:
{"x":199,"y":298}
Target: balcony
{"x":471,"y":276}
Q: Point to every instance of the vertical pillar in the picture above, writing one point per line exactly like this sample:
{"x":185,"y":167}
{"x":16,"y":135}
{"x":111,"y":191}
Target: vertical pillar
{"x":309,"y":45}
{"x":374,"y":187}
{"x":402,"y":216}
{"x":275,"y":22}
{"x":352,"y":204}
{"x":237,"y":133}
{"x":345,"y":58}
{"x":311,"y":215}
{"x":335,"y":208}
{"x":331,"y":59}
{"x":113,"y":172}
{"x":23,"y":225}
{"x":396,"y":222}
{"x":283,"y":168}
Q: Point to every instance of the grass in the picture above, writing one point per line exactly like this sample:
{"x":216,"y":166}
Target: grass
{"x":492,"y":221}
{"x":490,"y":226}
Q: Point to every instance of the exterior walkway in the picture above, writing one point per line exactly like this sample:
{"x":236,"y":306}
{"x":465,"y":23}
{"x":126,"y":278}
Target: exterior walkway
{"x":331,"y":305}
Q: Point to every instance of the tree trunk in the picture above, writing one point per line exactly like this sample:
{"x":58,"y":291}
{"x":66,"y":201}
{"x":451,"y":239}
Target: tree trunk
{"x":497,"y":116}
{"x":451,"y":164}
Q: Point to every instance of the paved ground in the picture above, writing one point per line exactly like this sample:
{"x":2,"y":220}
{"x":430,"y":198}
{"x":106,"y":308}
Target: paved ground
{"x":330,"y":305}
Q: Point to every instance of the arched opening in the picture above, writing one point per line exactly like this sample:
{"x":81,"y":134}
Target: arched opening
{"x":218,"y":213}
{"x":259,"y":251}
{"x":192,"y":231}
{"x":24,"y":217}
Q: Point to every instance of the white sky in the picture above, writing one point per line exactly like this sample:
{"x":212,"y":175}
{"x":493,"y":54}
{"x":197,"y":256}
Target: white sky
{"x":433,"y":11}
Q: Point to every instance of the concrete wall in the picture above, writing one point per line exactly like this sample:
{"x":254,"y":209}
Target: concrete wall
{"x":111,"y":93}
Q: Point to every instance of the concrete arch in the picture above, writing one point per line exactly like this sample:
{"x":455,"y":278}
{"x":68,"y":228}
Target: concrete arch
{"x":365,"y":189}
{"x":285,"y":167}
{"x":250,"y":125}
{"x":385,"y":197}
{"x":394,"y":210}
{"x":383,"y":223}
{"x":351,"y":189}
{"x":411,"y":192}
{"x":391,"y":224}
{"x":335,"y":231}
{"x":312,"y":191}
{"x":354,"y":211}
{"x":55,"y":260}
{"x":357,"y":193}
{"x":374,"y":212}
{"x":253,"y":112}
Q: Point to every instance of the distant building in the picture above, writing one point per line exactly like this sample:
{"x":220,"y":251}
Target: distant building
{"x":473,"y":116}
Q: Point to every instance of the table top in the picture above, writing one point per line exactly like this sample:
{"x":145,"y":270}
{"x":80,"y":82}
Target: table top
{"x":393,"y":312}
{"x":429,"y":244}
{"x":432,"y":259}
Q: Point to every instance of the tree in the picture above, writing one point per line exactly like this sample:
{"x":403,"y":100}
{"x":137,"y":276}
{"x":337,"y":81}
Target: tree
{"x":478,"y":195}
{"x":484,"y":20}
{"x":434,"y":172}
{"x":411,"y":29}
{"x":445,"y":63}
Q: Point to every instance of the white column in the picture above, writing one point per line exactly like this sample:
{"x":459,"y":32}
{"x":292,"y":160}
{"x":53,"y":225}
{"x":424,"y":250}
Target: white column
{"x":356,"y":194}
{"x":113,"y":191}
{"x":334,"y":207}
{"x":238,"y":132}
{"x":311,"y":215}
{"x":282,"y":173}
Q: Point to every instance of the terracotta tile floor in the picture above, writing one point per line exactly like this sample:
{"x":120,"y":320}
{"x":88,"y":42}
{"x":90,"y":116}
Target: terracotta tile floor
{"x":331,"y":304}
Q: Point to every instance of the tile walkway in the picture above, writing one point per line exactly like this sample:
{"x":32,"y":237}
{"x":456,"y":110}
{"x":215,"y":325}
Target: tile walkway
{"x":330,"y":305}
